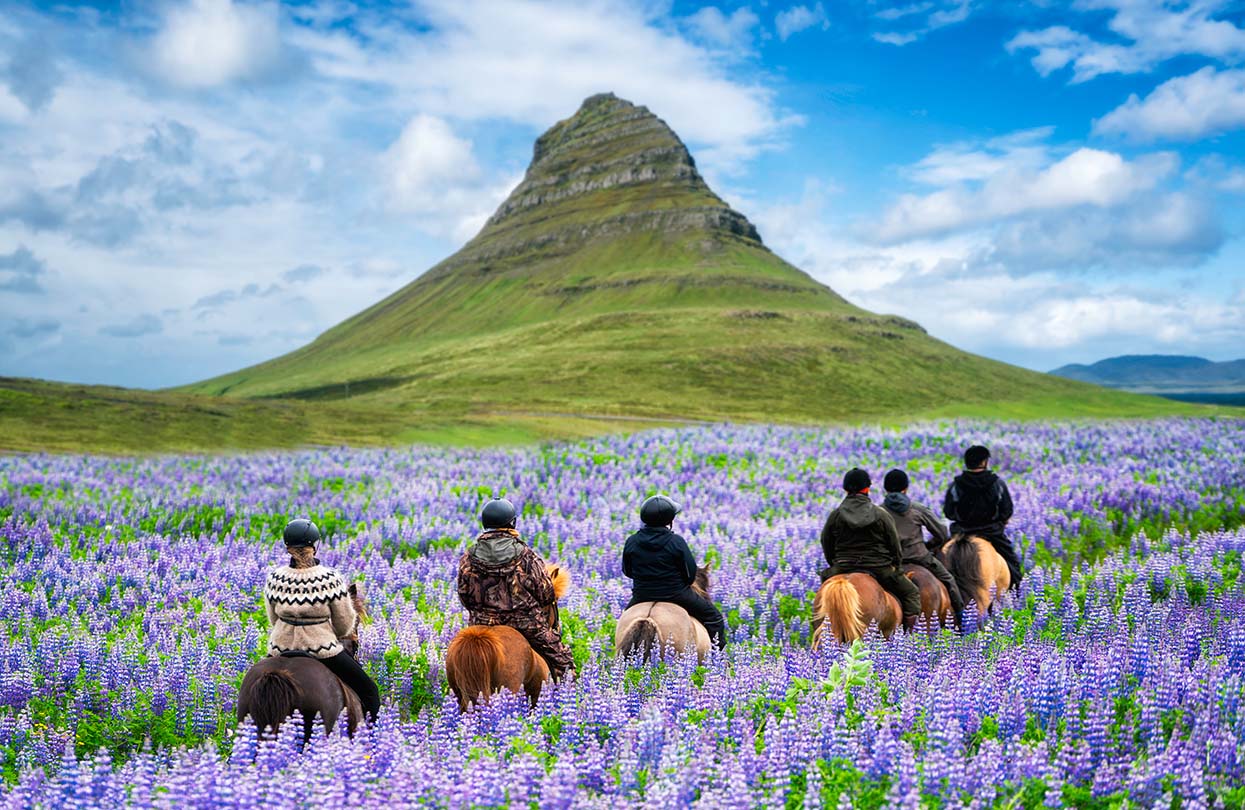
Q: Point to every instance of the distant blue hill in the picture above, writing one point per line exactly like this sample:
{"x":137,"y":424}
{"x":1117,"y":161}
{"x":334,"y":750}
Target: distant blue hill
{"x":1193,"y":379}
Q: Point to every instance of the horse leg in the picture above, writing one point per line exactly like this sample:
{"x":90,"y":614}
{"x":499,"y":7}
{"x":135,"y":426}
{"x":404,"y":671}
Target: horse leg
{"x":537,"y":674}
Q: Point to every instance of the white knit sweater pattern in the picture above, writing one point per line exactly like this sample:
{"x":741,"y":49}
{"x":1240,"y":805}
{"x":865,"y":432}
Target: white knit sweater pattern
{"x":309,"y":609}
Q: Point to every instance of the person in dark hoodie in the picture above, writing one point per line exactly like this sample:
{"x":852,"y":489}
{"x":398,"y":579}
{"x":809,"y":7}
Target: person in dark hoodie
{"x":501,"y":580}
{"x":978,"y":502}
{"x":912,"y":520}
{"x":662,"y":568}
{"x":859,"y":536}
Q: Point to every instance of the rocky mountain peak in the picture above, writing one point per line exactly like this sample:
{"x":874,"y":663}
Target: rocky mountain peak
{"x":616,"y":166}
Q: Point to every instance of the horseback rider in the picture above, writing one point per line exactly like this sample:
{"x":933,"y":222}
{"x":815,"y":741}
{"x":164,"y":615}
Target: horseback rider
{"x":310,"y":612}
{"x":978,"y":503}
{"x":859,"y":536}
{"x":662,"y":568}
{"x":911,"y":520}
{"x":501,"y":580}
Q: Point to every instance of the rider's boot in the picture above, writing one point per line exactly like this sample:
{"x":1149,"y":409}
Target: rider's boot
{"x":909,"y":623}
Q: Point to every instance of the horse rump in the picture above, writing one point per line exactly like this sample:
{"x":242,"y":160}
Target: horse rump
{"x":273,"y":697}
{"x":838,"y":603}
{"x":965,"y":564}
{"x":641,"y":637}
{"x":471,"y":664}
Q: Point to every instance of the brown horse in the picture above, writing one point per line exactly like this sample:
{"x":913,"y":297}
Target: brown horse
{"x":849,"y":603}
{"x":935,"y":600}
{"x":662,"y":626}
{"x":484,"y":659}
{"x":275,"y":687}
{"x":978,"y":569}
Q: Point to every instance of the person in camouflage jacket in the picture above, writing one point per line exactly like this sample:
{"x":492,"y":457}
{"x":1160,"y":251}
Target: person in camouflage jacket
{"x":501,"y":580}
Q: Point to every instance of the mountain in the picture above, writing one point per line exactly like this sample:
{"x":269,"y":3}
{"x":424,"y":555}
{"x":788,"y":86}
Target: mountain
{"x":1177,"y":376}
{"x":613,"y":282}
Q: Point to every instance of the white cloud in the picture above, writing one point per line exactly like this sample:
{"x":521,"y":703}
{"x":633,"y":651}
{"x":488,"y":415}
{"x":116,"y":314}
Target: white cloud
{"x":919,"y":19}
{"x":731,"y":32}
{"x":465,"y":61}
{"x":963,"y":290}
{"x":800,"y":18}
{"x":985,"y":187}
{"x":433,"y":174}
{"x":205,"y":43}
{"x":1152,"y":31}
{"x":1183,"y":108}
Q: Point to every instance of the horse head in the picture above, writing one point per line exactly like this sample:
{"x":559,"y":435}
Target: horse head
{"x":561,"y":579}
{"x":357,"y":598}
{"x":701,"y":583}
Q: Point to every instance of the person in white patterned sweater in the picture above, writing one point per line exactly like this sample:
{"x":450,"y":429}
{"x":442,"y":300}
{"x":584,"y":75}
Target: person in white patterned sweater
{"x":310,"y":611}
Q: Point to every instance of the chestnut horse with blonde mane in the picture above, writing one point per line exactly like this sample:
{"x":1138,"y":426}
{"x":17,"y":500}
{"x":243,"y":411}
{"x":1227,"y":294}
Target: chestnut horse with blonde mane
{"x":849,"y":603}
{"x":646,"y":627}
{"x":483,"y":659}
{"x":978,"y":569}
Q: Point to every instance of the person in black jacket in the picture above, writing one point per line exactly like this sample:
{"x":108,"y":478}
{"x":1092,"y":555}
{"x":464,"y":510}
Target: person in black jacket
{"x":859,"y":536}
{"x":978,"y":502}
{"x":662,"y":568}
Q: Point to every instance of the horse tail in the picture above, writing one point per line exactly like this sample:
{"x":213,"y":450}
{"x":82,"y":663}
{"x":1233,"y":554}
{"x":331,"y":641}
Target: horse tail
{"x":274,"y":697}
{"x":843,"y":610}
{"x":640,"y":637}
{"x":966,"y":565}
{"x":472,"y":661}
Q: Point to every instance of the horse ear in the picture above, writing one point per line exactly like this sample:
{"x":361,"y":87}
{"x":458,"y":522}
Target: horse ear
{"x":553,"y":572}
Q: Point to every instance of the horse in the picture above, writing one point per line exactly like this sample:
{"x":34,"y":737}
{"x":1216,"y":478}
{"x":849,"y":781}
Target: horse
{"x":849,"y":603}
{"x":275,"y":687}
{"x":648,"y":626}
{"x":483,"y":659}
{"x":935,"y":600}
{"x":977,"y":569}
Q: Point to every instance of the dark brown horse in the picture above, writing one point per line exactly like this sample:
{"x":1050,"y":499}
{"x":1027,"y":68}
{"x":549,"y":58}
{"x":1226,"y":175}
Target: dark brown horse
{"x":484,"y":659}
{"x":648,"y":627}
{"x":277,"y":686}
{"x":935,"y":600}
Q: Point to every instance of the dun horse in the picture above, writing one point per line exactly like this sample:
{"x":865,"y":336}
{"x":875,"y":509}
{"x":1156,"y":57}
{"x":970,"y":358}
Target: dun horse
{"x":483,"y":659}
{"x":977,"y":569}
{"x":276,"y":686}
{"x":646,"y":627}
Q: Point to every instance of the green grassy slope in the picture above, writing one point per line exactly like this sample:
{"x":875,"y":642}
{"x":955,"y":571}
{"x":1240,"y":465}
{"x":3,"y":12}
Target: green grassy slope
{"x":614,"y":281}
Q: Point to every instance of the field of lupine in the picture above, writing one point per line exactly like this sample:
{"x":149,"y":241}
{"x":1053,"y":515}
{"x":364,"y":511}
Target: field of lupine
{"x":130,"y":609}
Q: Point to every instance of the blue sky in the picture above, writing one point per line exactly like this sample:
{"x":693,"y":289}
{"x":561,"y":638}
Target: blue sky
{"x":190,"y":187}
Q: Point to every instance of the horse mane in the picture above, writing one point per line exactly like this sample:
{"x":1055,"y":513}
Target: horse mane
{"x":471,"y":659}
{"x":641,"y":637}
{"x":274,"y":698}
{"x":561,"y":579}
{"x":701,"y":583}
{"x":964,"y":562}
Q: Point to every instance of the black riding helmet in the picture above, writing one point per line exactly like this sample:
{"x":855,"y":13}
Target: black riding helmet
{"x":301,"y":533}
{"x":497,"y":514}
{"x":659,"y":510}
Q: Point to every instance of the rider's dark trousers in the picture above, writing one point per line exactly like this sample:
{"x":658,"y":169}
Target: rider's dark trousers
{"x":344,"y":666}
{"x":699,"y":608}
{"x":944,"y":576}
{"x":890,"y":578}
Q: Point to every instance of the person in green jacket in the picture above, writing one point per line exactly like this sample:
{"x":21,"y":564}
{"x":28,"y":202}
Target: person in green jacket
{"x":859,"y":536}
